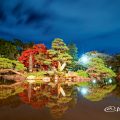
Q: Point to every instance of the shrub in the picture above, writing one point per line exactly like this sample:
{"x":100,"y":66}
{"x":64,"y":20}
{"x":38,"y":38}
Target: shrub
{"x":82,"y":73}
{"x":6,"y":63}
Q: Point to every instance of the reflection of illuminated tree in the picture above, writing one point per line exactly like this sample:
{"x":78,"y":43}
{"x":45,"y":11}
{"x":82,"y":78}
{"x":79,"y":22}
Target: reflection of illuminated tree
{"x":74,"y":100}
{"x":12,"y":101}
{"x":7,"y":92}
{"x":98,"y":94}
{"x":37,"y":100}
{"x":58,"y":106}
{"x":116,"y":92}
{"x":39,"y":95}
{"x":58,"y":111}
{"x":46,"y":96}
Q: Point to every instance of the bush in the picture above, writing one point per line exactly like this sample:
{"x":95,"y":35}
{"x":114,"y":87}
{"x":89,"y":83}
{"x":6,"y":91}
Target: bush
{"x":6,"y":63}
{"x":37,"y":74}
{"x":82,"y":73}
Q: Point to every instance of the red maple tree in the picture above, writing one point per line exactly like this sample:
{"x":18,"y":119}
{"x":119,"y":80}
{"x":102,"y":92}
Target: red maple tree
{"x":38,"y":48}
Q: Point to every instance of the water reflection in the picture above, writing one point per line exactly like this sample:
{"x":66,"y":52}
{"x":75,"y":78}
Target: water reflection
{"x":6,"y":82}
{"x":46,"y":96}
{"x":6,"y":92}
{"x":40,"y":96}
{"x":12,"y":102}
{"x":98,"y":93}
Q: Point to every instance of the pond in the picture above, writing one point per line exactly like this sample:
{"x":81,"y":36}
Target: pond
{"x":40,"y":102}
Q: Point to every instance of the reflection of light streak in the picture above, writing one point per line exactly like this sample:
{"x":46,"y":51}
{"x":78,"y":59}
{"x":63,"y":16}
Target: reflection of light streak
{"x":29,"y":91}
{"x":110,"y":80}
{"x":30,"y":81}
{"x":83,"y":90}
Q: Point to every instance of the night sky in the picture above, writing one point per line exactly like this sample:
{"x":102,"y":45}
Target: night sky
{"x":91,"y":24}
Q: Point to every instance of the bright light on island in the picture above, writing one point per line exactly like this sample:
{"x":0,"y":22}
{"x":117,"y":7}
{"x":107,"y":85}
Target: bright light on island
{"x":84,"y":59}
{"x":94,"y":81}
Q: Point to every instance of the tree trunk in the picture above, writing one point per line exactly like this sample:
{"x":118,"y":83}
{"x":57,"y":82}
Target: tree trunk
{"x":30,"y":63}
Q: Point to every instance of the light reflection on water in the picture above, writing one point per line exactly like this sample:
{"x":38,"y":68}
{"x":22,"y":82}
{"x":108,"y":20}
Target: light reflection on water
{"x":42,"y":101}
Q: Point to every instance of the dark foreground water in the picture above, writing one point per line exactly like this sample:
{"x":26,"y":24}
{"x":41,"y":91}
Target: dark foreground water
{"x":40,"y":105}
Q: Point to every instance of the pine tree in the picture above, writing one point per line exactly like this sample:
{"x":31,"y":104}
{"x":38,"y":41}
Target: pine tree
{"x":61,"y":48}
{"x":73,"y":51}
{"x":59,"y":45}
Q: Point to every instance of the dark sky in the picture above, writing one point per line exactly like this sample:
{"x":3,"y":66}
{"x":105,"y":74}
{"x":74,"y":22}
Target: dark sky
{"x":91,"y":24}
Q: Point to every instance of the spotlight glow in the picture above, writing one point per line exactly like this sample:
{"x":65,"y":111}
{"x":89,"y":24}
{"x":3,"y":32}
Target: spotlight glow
{"x":84,"y":91}
{"x":94,"y":81}
{"x":84,"y":59}
{"x":110,"y":80}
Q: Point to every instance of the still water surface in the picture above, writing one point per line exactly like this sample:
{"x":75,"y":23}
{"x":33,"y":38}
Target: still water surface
{"x":42,"y":103}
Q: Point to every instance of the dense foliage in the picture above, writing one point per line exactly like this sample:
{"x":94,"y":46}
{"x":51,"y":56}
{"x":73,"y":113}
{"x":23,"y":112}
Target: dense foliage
{"x":36,"y":49}
{"x":61,"y":50}
{"x":7,"y":49}
{"x":45,"y":59}
{"x":59,"y":45}
{"x":82,"y":73}
{"x":98,"y":69}
{"x":40,"y":58}
{"x":6,"y":63}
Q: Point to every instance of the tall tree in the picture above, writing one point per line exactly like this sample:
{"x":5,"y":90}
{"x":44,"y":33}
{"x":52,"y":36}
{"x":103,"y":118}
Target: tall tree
{"x":59,"y":45}
{"x":37,"y":49}
{"x":7,"y":49}
{"x":22,"y":45}
{"x":18,"y":43}
{"x":73,"y":51}
{"x":61,"y":50}
{"x":97,"y":69}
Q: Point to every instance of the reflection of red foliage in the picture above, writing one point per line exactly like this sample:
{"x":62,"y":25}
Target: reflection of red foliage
{"x":53,"y":91}
{"x":34,"y":101}
{"x":24,"y":58}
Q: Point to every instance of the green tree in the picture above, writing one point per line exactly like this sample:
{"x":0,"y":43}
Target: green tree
{"x":59,"y":45}
{"x":18,"y":43}
{"x":64,"y":58}
{"x":115,"y":63}
{"x":6,"y":63}
{"x":22,"y":45}
{"x":98,"y":69}
{"x":82,"y":73}
{"x":61,"y":52}
{"x":73,"y":51}
{"x":7,"y":49}
{"x":43,"y":60}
